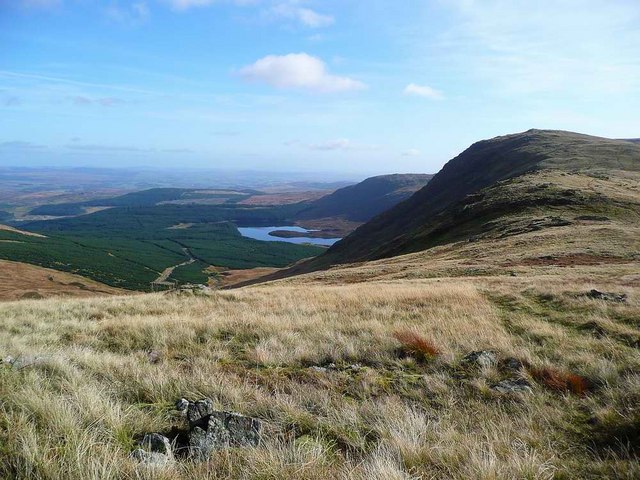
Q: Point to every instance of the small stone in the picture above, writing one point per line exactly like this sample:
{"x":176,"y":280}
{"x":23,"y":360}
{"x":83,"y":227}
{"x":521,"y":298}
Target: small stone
{"x":182,"y":405}
{"x":155,"y":357}
{"x":482,"y":358}
{"x":513,"y":385}
{"x":154,"y":442}
{"x":24,"y":361}
{"x":8,"y":359}
{"x":318,"y":369}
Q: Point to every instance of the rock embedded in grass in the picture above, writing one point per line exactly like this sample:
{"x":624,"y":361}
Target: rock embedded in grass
{"x":155,"y":452}
{"x":482,"y":358}
{"x":609,"y":297}
{"x":212,"y":430}
{"x":182,"y":405}
{"x":513,"y":385}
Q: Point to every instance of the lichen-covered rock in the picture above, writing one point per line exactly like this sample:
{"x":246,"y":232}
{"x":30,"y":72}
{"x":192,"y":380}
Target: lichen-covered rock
{"x":182,"y":405}
{"x":482,"y":358}
{"x":607,"y":296}
{"x":154,"y":442}
{"x":513,"y":385}
{"x":212,"y":430}
{"x":198,"y":412}
{"x":155,"y":452}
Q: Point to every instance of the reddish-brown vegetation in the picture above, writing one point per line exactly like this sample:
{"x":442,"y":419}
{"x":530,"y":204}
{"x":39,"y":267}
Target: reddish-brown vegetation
{"x":560,"y":381}
{"x":415,"y":343}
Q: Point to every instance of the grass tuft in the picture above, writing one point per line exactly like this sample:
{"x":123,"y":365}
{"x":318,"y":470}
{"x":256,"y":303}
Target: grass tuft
{"x":561,"y":381}
{"x":416,"y":344}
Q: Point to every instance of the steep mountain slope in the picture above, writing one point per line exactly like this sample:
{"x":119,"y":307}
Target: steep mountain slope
{"x":503,"y":186}
{"x":366,"y":199}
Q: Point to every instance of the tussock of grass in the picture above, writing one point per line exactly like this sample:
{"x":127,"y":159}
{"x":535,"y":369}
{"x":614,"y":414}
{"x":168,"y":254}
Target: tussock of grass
{"x":561,"y":381}
{"x":416,"y":344}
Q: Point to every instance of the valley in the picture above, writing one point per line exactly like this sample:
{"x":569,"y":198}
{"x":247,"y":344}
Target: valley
{"x":132,"y":240}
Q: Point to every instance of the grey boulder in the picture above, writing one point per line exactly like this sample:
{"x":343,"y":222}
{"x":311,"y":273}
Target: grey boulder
{"x":482,"y":358}
{"x":212,"y":430}
{"x":513,"y":385}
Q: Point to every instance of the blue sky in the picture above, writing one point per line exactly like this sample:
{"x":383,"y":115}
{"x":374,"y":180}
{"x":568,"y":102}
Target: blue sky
{"x":356,"y":86}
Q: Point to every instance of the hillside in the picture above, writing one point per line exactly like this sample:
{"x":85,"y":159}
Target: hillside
{"x":363,"y":201}
{"x":504,"y":186}
{"x":23,"y":281}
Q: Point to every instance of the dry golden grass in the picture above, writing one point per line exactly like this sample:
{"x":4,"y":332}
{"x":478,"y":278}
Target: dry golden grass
{"x":379,"y":414}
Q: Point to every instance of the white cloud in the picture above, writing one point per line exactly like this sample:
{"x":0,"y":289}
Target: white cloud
{"x":423,"y":91}
{"x":306,"y":16}
{"x":412,"y":152}
{"x":339,"y":144}
{"x":298,"y":71}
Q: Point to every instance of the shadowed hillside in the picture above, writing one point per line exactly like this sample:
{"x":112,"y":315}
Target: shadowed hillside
{"x":367,"y":199}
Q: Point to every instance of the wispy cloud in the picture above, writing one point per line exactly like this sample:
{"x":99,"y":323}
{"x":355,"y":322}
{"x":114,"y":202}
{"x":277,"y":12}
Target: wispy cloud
{"x":343,"y":144}
{"x":103,"y":101}
{"x":106,"y":148}
{"x":577,"y":47}
{"x":187,"y":4}
{"x":412,"y":152}
{"x":306,"y":16}
{"x":133,"y":13}
{"x":20,"y":145}
{"x":298,"y":71}
{"x":423,"y":91}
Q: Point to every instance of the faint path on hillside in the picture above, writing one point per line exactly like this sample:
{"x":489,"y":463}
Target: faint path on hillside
{"x":166,"y":273}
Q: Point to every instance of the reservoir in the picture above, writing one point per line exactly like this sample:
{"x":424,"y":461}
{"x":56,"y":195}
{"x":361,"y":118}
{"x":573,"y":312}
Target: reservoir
{"x":262,"y":233}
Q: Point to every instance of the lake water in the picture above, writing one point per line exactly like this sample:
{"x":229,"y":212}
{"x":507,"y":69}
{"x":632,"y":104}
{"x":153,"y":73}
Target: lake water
{"x":262,"y":233}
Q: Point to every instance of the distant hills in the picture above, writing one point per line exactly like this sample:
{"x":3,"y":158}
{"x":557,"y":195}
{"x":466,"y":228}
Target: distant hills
{"x":363,"y":201}
{"x":354,"y":203}
{"x":497,"y":187}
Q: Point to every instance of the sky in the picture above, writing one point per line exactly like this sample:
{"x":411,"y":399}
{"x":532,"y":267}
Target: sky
{"x":353,"y":86}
